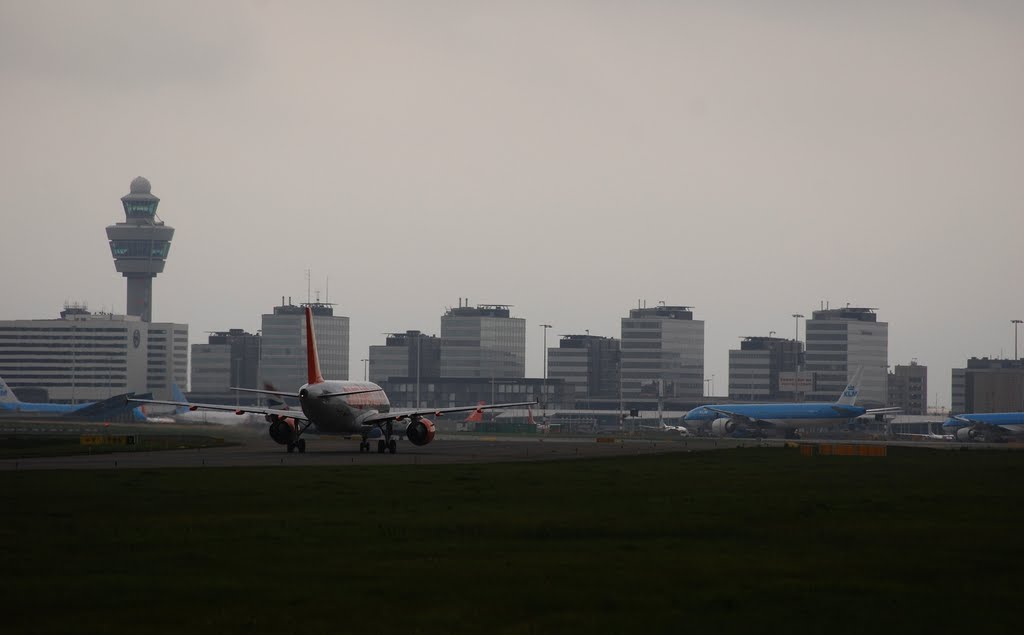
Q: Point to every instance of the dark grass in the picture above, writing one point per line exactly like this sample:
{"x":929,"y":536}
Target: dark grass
{"x":738,"y":540}
{"x":37,"y":445}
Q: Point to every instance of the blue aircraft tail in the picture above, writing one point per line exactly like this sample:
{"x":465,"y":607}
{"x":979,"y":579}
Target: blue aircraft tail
{"x":177,"y":395}
{"x":849,"y":396}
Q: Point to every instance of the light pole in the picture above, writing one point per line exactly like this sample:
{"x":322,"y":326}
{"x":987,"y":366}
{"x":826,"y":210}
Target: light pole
{"x":544,"y":383}
{"x":365,"y":369}
{"x":1015,"y":324}
{"x":796,"y":356}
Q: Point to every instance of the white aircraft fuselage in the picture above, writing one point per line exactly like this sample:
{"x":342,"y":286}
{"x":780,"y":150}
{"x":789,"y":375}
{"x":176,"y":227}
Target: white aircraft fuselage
{"x":341,"y":414}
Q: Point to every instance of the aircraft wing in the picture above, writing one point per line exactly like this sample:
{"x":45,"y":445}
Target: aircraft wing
{"x":883,"y":411}
{"x":741,"y":419}
{"x":396,"y":415}
{"x":238,"y":410}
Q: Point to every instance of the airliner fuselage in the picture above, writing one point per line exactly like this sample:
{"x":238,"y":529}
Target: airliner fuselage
{"x":341,"y":414}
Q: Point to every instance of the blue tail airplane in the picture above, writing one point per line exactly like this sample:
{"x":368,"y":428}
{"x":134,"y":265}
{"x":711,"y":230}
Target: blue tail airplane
{"x":726,"y":419}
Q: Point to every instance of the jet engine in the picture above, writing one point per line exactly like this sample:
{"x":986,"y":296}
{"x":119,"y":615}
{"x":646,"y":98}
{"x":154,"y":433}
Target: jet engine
{"x":722,"y":427}
{"x":420,"y":431}
{"x":282,"y":429}
{"x":966,"y":434}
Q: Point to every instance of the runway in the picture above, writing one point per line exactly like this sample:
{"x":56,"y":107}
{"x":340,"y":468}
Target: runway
{"x":252,"y":449}
{"x":334,"y":451}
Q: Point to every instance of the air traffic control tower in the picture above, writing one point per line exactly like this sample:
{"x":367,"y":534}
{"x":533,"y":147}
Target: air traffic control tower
{"x":140,"y":245}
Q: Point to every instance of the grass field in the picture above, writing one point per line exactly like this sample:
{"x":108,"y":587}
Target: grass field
{"x":737,"y":540}
{"x":30,"y":446}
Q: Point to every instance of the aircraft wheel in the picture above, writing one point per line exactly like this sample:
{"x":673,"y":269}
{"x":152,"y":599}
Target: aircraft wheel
{"x":380,"y":446}
{"x":302,"y":446}
{"x":291,"y":448}
{"x":392,"y":446}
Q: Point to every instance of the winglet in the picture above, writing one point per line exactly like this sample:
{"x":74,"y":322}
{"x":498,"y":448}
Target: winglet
{"x":312,"y":360}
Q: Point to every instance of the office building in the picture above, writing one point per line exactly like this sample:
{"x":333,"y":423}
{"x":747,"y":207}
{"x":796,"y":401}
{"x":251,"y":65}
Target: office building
{"x":140,"y":246}
{"x":409,"y":354}
{"x":84,"y":356}
{"x":989,"y":385}
{"x":760,"y":369}
{"x":484,"y":341}
{"x":838,"y":342}
{"x":908,"y":388}
{"x":662,"y":345}
{"x":283,"y":351}
{"x":229,"y":358}
{"x":447,"y":392}
{"x":589,"y":365}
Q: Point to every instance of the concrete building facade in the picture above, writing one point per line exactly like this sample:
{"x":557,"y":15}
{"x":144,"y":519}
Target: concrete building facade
{"x":283,"y":351}
{"x":484,"y":341}
{"x":756,"y":367}
{"x":229,"y":358}
{"x":989,"y":385}
{"x":838,"y":342}
{"x":908,"y":388}
{"x":86,"y":356}
{"x":665,"y":345}
{"x":589,"y":365}
{"x":409,"y":354}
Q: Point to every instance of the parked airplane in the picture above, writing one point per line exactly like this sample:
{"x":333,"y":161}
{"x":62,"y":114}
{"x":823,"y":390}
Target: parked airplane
{"x":988,"y":426}
{"x":664,"y":427}
{"x":344,"y":408}
{"x":728,"y":418}
{"x":9,"y":402}
{"x":930,"y":436}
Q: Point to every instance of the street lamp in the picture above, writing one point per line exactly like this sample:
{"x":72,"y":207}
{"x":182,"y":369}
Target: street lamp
{"x":544,"y":382}
{"x":1015,"y":324}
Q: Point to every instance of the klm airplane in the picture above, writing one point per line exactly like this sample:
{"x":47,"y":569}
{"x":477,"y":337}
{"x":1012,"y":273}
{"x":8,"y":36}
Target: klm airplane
{"x":9,"y":403}
{"x":988,"y":426}
{"x":110,"y":409}
{"x":726,"y":419}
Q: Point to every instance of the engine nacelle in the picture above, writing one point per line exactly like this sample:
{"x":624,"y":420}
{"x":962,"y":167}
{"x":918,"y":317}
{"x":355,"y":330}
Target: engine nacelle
{"x":282,"y":429}
{"x":420,"y":431}
{"x":722,"y":427}
{"x":966,"y":434}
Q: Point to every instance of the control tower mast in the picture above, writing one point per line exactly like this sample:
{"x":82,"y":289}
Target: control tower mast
{"x":140,"y":246}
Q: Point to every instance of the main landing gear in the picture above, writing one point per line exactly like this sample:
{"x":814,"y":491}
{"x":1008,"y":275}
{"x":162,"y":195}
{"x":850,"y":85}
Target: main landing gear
{"x":387,"y":444}
{"x":300,"y":444}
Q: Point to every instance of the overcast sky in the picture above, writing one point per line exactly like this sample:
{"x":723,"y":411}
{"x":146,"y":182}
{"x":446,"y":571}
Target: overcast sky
{"x":749,"y":158}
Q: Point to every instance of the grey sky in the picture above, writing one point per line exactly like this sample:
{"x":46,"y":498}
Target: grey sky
{"x":749,"y":158}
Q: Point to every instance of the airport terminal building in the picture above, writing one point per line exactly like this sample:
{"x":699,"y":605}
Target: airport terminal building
{"x":85,"y":356}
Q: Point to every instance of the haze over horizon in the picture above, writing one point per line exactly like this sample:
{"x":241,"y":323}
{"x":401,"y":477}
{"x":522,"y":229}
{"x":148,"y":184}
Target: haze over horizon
{"x":749,"y":159}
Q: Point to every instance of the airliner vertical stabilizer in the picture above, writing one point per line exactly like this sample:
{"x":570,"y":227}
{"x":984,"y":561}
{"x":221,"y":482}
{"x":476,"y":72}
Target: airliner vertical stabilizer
{"x":312,"y":360}
{"x":849,"y":396}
